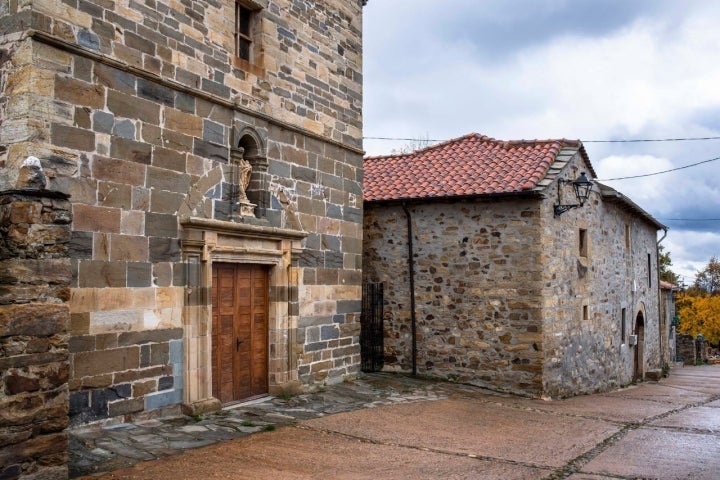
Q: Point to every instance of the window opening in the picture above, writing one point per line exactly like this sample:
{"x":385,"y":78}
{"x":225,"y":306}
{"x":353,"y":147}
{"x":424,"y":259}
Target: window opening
{"x":582,"y":242}
{"x":243,"y":33}
{"x":649,"y":269}
{"x":585,"y":314}
{"x":623,"y":324}
{"x":627,"y":237}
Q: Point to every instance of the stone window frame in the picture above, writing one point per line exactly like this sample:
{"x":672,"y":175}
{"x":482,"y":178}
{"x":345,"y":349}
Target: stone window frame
{"x":252,"y":35}
{"x":583,"y":241}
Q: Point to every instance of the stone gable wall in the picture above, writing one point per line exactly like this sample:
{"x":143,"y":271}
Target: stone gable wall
{"x":502,"y":292}
{"x":34,"y":368}
{"x":132,"y":109}
{"x":584,"y":355}
{"x":477,"y":286}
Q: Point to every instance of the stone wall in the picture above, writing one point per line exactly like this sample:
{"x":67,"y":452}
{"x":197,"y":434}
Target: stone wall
{"x":687,"y":349}
{"x":135,"y":110}
{"x":477,"y":290}
{"x":34,"y":368}
{"x":505,"y":298}
{"x":584,"y":295}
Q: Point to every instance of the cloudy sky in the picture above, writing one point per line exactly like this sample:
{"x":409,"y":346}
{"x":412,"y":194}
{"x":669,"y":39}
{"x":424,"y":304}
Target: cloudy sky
{"x":592,"y":70}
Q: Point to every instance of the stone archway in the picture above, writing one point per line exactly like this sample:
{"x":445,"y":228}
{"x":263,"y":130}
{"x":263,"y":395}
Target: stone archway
{"x":639,"y":355}
{"x":249,"y":145}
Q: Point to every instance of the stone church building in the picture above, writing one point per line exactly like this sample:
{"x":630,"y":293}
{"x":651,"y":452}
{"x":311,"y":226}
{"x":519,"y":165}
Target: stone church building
{"x":506,"y":280}
{"x":182,"y":181}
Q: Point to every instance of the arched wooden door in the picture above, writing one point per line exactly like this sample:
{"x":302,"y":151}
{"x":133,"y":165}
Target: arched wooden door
{"x":239,"y":331}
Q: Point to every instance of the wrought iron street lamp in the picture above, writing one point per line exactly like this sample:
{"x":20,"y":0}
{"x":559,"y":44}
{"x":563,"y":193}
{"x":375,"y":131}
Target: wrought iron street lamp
{"x":582,"y":188}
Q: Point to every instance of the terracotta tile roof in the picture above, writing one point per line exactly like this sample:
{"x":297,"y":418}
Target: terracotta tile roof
{"x":471,"y":165}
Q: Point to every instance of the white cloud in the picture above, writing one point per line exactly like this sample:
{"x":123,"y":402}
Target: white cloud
{"x":547,"y":70}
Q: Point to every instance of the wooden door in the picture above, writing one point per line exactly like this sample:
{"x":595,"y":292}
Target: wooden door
{"x":239,"y":331}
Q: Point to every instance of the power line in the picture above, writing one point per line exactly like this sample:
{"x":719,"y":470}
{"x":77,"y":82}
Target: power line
{"x":646,"y":140}
{"x":689,"y":219}
{"x":632,"y":140}
{"x":664,"y":171}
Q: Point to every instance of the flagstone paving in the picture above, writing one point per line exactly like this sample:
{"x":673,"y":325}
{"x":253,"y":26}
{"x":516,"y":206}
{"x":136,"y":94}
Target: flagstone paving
{"x":393,"y":426}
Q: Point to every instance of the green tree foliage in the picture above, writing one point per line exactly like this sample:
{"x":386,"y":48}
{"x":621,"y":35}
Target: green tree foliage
{"x":665,"y":263}
{"x":708,"y":279}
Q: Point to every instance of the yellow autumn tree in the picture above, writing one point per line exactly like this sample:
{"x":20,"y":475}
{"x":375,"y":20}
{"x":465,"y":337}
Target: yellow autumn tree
{"x":699,"y":313}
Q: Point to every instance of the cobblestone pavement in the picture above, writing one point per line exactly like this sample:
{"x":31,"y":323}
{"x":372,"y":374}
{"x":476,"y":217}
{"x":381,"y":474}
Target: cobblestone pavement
{"x":97,"y":449}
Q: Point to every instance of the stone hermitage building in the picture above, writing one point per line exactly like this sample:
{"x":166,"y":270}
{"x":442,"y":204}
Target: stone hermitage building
{"x":211,"y":151}
{"x":507,"y":295}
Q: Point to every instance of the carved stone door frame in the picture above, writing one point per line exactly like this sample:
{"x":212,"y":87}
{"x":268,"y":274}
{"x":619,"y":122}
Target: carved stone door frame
{"x":205,"y":241}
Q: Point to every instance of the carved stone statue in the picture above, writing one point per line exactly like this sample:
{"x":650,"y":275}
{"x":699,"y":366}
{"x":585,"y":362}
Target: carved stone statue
{"x":242,"y":173}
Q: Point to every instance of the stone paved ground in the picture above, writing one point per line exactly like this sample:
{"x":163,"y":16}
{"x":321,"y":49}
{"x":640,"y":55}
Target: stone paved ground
{"x":427,"y":430}
{"x":96,"y":449}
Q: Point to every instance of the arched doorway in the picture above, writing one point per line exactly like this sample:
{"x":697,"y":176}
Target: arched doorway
{"x":639,"y":359}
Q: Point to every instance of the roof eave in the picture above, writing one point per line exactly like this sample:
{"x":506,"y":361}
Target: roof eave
{"x":611,"y":195}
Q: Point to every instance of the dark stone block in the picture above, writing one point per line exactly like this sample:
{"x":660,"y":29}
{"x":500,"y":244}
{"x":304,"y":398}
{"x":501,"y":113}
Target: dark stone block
{"x":161,"y":225}
{"x":349,"y":306}
{"x":160,"y":354}
{"x":185,"y":102}
{"x":334,"y":211}
{"x":305,"y":174}
{"x":157,"y":93}
{"x":314,"y":347}
{"x":313,"y":241}
{"x":131,"y":150}
{"x":215,"y":88}
{"x":339,"y":319}
{"x":79,"y":402}
{"x":139,"y":274}
{"x":333,"y":260}
{"x":211,"y":151}
{"x":213,"y":132}
{"x":124,"y":129}
{"x":150,"y":336}
{"x":81,"y":343}
{"x":115,"y":79}
{"x":353,"y":214}
{"x":329,"y":332}
{"x":331,"y":242}
{"x":88,"y":40}
{"x":71,"y":137}
{"x":80,"y":245}
{"x":166,"y":383}
{"x":103,"y":122}
{"x":91,"y":8}
{"x":138,"y":43}
{"x":281,"y":169}
{"x":144,"y":356}
{"x":164,"y":249}
{"x":311,"y":258}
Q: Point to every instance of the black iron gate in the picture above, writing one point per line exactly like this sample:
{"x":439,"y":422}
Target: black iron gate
{"x":371,"y":327}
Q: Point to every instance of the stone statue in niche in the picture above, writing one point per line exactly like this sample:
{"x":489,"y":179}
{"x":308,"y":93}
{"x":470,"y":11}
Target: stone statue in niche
{"x":241,"y":171}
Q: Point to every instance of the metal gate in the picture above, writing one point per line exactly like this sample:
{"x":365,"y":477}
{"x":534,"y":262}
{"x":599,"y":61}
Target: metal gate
{"x":371,"y":328}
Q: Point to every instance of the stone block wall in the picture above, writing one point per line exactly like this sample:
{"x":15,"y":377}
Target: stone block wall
{"x":510,"y":298}
{"x":35,"y":277}
{"x":585,"y":294}
{"x":134,"y":110}
{"x":477,"y":282}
